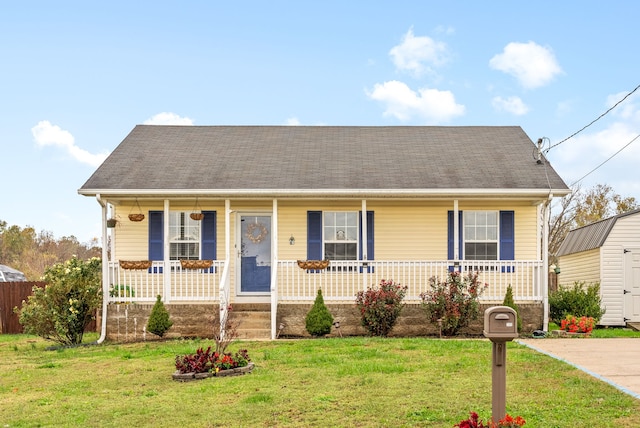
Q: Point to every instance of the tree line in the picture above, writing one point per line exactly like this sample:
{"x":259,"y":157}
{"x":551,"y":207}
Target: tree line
{"x":33,"y":252}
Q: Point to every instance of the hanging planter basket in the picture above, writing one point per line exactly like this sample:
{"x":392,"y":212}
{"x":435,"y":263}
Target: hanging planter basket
{"x":196,"y":264}
{"x":197,"y":214}
{"x":136,"y":216}
{"x":135,"y":264}
{"x":313,"y":264}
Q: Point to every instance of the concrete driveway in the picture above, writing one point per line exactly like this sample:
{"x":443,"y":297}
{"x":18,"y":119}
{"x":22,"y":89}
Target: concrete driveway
{"x":615,"y":361}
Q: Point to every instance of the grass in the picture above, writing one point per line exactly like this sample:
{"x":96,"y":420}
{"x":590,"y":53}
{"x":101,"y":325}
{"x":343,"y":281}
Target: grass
{"x":338,"y":382}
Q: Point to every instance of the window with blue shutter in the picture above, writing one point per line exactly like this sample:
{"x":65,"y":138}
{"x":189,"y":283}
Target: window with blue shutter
{"x":315,"y":241}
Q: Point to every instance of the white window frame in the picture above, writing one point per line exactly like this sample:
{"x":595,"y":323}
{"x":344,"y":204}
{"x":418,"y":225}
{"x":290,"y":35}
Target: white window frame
{"x":182,"y":220}
{"x":336,"y":238}
{"x":475,"y":240}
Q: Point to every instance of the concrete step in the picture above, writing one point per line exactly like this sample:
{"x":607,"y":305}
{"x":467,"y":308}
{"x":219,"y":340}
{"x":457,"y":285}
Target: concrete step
{"x":253,"y":321}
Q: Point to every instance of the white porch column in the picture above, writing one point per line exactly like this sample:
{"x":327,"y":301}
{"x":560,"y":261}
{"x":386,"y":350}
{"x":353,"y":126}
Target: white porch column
{"x":363,"y":221}
{"x":274,"y":269}
{"x":545,"y":264}
{"x":223,"y":300}
{"x":166,"y":272}
{"x":456,"y":231}
{"x":105,"y":272}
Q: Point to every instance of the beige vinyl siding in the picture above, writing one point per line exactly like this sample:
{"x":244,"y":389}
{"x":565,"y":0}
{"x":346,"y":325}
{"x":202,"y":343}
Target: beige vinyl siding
{"x":624,"y":234}
{"x":414,"y":230}
{"x":579,"y":267}
{"x":131,"y":239}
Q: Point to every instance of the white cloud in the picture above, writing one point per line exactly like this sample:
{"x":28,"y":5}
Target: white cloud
{"x":530,"y":63}
{"x":292,"y":121}
{"x":417,"y":54}
{"x":403,"y":103}
{"x":513,"y":105}
{"x":585,"y":152}
{"x":45,"y":134}
{"x":166,"y":118}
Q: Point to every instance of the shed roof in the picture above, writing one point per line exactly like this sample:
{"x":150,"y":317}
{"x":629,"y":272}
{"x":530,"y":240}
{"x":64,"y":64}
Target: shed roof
{"x":263,"y":159}
{"x":591,"y":236}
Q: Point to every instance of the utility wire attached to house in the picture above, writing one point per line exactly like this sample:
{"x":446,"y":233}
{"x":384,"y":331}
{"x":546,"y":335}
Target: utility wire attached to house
{"x":594,"y":121}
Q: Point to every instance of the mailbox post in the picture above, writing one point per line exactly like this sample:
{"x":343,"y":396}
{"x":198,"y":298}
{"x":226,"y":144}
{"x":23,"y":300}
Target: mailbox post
{"x":500,"y":326}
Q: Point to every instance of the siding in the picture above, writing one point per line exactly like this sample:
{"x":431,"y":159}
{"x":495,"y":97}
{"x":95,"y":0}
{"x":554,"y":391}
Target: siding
{"x":583,"y":266}
{"x":624,"y":234}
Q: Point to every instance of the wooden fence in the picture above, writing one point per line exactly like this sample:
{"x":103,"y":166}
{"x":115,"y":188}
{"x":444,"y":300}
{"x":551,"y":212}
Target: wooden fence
{"x":11,"y":295}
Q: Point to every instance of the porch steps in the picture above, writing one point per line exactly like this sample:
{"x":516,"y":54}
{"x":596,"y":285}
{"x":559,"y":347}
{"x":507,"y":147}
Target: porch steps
{"x":253,"y":319}
{"x":634,"y":325}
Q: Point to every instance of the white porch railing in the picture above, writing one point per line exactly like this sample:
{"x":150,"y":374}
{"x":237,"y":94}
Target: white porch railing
{"x":342,"y":280}
{"x":143,"y":285}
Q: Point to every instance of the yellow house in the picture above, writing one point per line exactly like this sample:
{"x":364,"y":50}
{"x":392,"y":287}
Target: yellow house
{"x":227,"y":215}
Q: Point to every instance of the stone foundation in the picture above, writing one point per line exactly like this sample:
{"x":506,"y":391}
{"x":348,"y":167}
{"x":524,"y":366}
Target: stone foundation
{"x":127,"y":322}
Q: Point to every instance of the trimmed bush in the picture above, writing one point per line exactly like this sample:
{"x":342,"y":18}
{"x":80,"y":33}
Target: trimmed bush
{"x":159,"y":321}
{"x":453,"y":303}
{"x":508,"y":301}
{"x":579,"y":300}
{"x":380,"y":307}
{"x":319,"y":320}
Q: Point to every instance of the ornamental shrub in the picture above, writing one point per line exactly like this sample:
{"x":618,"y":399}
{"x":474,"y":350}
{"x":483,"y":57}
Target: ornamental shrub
{"x":580,"y":300}
{"x":453,"y":303}
{"x":508,"y":301}
{"x":380,"y":307}
{"x":61,"y":310}
{"x":319,"y":320}
{"x":159,"y":320}
{"x":204,"y":360}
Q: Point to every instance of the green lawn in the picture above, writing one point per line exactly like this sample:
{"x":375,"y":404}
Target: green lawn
{"x":338,"y":382}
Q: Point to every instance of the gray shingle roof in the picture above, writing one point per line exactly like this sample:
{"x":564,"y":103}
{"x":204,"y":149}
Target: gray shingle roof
{"x":591,"y":236}
{"x":320,"y":158}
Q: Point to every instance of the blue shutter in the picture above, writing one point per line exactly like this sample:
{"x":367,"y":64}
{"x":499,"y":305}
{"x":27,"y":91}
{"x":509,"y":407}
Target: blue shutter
{"x":507,"y":235}
{"x":369,"y":243}
{"x":156,"y":237}
{"x":507,"y":238}
{"x":314,"y":235}
{"x":450,"y":234}
{"x":208,"y":243}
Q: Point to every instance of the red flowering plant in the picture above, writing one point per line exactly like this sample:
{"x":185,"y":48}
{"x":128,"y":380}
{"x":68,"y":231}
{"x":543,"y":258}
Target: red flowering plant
{"x":204,"y":361}
{"x":474,"y":421}
{"x":453,"y":303}
{"x":573,"y":324}
{"x":380,"y":307}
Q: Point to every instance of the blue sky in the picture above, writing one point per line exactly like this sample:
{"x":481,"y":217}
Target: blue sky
{"x":76,"y":77}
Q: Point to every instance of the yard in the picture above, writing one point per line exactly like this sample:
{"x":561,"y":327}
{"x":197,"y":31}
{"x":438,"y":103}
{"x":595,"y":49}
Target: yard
{"x":362,"y":382}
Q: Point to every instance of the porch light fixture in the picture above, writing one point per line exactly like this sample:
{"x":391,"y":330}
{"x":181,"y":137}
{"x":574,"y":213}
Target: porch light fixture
{"x":292,"y":240}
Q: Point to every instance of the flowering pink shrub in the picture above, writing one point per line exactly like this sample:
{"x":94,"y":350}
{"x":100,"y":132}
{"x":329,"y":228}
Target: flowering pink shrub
{"x":380,"y":307}
{"x":475,"y":422}
{"x":578,"y":325}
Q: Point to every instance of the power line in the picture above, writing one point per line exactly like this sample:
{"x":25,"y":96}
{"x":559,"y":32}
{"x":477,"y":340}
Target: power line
{"x":607,"y":160}
{"x":594,"y":121}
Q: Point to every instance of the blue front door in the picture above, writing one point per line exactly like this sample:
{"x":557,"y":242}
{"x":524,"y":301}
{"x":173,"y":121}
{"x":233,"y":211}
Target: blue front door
{"x":255,"y":253}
